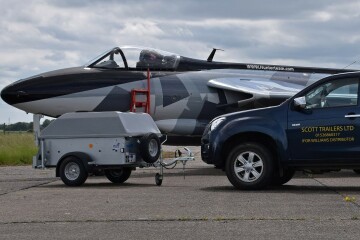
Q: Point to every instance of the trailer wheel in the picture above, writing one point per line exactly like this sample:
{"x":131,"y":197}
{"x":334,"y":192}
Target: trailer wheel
{"x":118,"y":175}
{"x":249,"y":166}
{"x":158,"y":179}
{"x":150,"y":147}
{"x":73,"y":172}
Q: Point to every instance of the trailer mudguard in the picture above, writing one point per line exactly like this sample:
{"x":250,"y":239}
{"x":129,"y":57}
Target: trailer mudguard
{"x":85,"y":158}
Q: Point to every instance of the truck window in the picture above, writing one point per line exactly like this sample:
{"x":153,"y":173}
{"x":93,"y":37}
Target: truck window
{"x":337,"y":93}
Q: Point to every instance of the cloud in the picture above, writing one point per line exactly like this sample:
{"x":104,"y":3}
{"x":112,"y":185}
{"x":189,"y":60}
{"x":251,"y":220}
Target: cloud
{"x":45,"y":35}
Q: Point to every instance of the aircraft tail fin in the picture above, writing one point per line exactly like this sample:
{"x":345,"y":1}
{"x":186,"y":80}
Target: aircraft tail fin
{"x":212,"y":54}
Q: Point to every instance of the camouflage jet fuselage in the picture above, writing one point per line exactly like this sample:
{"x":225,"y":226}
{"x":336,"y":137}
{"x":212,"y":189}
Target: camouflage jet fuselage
{"x":185,"y":94}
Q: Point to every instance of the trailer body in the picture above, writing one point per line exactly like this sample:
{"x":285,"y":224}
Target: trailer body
{"x":99,"y":140}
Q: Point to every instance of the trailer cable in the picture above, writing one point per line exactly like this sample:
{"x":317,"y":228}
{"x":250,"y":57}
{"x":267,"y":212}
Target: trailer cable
{"x":167,"y":167}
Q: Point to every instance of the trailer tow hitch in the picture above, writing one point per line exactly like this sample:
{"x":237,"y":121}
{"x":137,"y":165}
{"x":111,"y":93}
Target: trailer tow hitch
{"x":172,"y":163}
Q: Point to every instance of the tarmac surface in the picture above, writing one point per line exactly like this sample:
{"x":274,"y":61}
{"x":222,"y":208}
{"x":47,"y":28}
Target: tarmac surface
{"x":36,"y":205}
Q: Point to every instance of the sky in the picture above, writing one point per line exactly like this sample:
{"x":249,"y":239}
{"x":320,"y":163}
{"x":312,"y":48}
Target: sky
{"x":38,"y":36}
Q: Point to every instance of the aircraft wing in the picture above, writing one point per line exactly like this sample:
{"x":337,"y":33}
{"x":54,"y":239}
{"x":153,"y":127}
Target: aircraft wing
{"x":257,"y":86}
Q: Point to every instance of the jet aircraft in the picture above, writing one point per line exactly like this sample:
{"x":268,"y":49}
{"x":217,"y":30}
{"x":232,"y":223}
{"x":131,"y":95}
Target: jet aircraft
{"x":181,"y":94}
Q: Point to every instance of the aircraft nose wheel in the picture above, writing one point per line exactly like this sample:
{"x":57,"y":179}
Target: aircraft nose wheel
{"x":158,"y":179}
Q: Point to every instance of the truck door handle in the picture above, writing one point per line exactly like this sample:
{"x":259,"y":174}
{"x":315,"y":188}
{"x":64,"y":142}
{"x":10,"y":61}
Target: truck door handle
{"x":352,"y":115}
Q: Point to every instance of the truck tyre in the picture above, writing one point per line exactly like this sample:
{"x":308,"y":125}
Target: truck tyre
{"x":356,"y":171}
{"x":288,"y":174}
{"x":118,"y":175}
{"x":150,"y":147}
{"x":73,"y":172}
{"x":249,"y":166}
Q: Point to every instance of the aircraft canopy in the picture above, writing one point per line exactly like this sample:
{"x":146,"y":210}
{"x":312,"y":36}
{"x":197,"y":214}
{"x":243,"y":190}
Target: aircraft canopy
{"x":129,"y":57}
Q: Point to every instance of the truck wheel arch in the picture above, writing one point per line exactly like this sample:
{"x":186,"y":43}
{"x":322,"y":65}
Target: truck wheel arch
{"x":255,"y":137}
{"x":85,"y":159}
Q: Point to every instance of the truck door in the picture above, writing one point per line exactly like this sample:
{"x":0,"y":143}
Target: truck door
{"x":327,"y":127}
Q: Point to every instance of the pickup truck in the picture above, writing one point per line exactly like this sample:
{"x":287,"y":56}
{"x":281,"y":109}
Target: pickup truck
{"x":316,"y":130}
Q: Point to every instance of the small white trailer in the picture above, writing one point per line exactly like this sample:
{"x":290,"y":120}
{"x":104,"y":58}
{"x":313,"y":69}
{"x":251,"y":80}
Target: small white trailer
{"x":77,"y":144}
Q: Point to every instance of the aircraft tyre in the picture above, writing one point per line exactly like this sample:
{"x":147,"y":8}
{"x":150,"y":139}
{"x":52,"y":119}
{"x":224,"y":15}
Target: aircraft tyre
{"x":287,"y":176}
{"x":150,"y":147}
{"x":72,"y":171}
{"x":249,"y":166}
{"x":118,"y":175}
{"x":356,"y":171}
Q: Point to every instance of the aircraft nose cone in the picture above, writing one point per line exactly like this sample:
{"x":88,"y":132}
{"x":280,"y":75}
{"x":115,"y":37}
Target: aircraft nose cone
{"x":6,"y":95}
{"x":11,"y":95}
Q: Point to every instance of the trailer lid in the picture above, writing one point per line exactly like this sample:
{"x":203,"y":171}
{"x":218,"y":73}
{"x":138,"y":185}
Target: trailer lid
{"x":100,"y":124}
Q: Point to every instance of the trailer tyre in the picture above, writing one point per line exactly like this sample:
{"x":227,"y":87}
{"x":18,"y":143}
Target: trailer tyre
{"x":73,"y":172}
{"x":249,"y":166}
{"x":150,"y":147}
{"x":118,"y":175}
{"x":158,"y":179}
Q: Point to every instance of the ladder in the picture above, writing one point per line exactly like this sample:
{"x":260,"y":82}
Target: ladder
{"x":135,"y":103}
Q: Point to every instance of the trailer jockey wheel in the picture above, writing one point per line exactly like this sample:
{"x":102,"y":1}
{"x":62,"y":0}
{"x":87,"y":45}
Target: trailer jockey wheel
{"x":150,"y":147}
{"x":158,"y":179}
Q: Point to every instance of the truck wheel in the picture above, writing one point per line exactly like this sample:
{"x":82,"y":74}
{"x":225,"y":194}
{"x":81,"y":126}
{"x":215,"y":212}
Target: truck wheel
{"x":118,"y":175}
{"x":287,"y":176}
{"x":356,"y":171}
{"x":73,"y":172}
{"x":150,"y":147}
{"x":249,"y":166}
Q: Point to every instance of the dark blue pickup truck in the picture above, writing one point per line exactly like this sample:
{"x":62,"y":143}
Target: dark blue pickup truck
{"x":318,"y":130}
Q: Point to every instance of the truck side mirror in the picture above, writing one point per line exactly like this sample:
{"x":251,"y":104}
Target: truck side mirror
{"x":300,"y":102}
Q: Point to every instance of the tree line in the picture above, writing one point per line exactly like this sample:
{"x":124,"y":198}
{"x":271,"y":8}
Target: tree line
{"x":22,"y":126}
